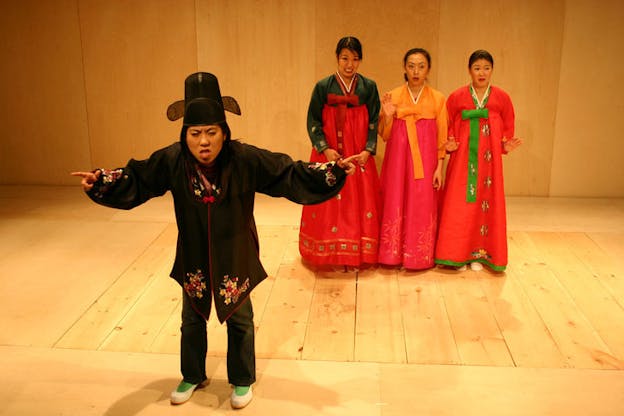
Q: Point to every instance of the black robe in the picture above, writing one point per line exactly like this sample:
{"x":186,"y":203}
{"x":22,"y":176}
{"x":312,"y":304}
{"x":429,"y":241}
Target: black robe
{"x":217,"y":250}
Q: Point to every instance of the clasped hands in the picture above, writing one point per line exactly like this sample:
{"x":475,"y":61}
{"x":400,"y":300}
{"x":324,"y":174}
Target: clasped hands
{"x":347,"y":163}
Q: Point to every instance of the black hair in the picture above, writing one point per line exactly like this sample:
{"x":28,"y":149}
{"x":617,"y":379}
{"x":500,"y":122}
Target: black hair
{"x":415,"y":51}
{"x":351,"y":43}
{"x":480,"y":54}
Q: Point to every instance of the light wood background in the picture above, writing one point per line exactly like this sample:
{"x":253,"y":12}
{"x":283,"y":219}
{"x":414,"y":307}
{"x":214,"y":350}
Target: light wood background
{"x":85,"y":83}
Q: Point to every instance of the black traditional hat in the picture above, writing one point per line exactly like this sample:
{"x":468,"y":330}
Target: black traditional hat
{"x":203,"y":103}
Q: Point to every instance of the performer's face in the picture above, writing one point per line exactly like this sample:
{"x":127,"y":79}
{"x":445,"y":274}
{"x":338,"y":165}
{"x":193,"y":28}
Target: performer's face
{"x":348,"y":63}
{"x":480,"y":72}
{"x":205,"y":142}
{"x":416,"y":70}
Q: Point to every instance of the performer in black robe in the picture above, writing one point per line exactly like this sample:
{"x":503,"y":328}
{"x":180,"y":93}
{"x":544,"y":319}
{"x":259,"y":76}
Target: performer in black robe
{"x":213,"y":180}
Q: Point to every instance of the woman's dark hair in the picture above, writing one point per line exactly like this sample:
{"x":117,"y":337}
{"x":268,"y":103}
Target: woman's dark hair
{"x":351,"y":43}
{"x":480,"y":54}
{"x":415,"y":51}
{"x":226,"y":131}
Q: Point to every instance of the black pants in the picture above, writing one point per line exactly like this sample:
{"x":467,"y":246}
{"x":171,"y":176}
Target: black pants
{"x":241,"y":355}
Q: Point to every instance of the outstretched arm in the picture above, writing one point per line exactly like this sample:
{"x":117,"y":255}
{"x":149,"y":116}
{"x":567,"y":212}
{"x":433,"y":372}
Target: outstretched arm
{"x":276,"y":174}
{"x":132,"y":185}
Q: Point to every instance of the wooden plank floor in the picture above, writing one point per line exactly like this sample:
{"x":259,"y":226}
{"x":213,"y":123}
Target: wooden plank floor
{"x":77,"y":277}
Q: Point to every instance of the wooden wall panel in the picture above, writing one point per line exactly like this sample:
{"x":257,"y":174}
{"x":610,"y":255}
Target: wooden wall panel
{"x":136,"y":56}
{"x":105,"y":72}
{"x":43,"y":121}
{"x":588,"y":152}
{"x":525,"y":41}
{"x":262,"y":51}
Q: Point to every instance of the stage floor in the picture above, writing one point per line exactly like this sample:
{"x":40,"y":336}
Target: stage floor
{"x":90,"y":319}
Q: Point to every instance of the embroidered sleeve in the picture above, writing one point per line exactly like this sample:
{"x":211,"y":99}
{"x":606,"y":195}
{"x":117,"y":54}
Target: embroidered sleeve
{"x":108,"y":179}
{"x":137,"y":182}
{"x":328,"y":169}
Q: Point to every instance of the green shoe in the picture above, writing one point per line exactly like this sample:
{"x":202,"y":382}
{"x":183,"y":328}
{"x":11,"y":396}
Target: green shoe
{"x":183,"y":392}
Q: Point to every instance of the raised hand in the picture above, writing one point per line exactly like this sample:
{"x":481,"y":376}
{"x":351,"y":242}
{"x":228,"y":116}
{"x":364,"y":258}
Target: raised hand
{"x":88,"y":178}
{"x":511,"y":144}
{"x":389,"y":109}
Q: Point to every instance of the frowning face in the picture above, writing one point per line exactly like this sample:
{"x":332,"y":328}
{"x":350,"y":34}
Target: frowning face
{"x":205,"y":142}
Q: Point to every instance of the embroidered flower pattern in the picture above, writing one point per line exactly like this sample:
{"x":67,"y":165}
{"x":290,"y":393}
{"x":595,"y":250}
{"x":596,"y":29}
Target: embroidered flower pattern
{"x":229,"y":289}
{"x":195,"y":285}
{"x":109,"y":178}
{"x":206,"y":194}
{"x":481,"y":253}
{"x":330,"y":178}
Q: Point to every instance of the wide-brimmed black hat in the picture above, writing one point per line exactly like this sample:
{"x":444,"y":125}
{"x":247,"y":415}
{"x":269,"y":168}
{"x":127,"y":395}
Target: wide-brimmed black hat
{"x":203,"y":103}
